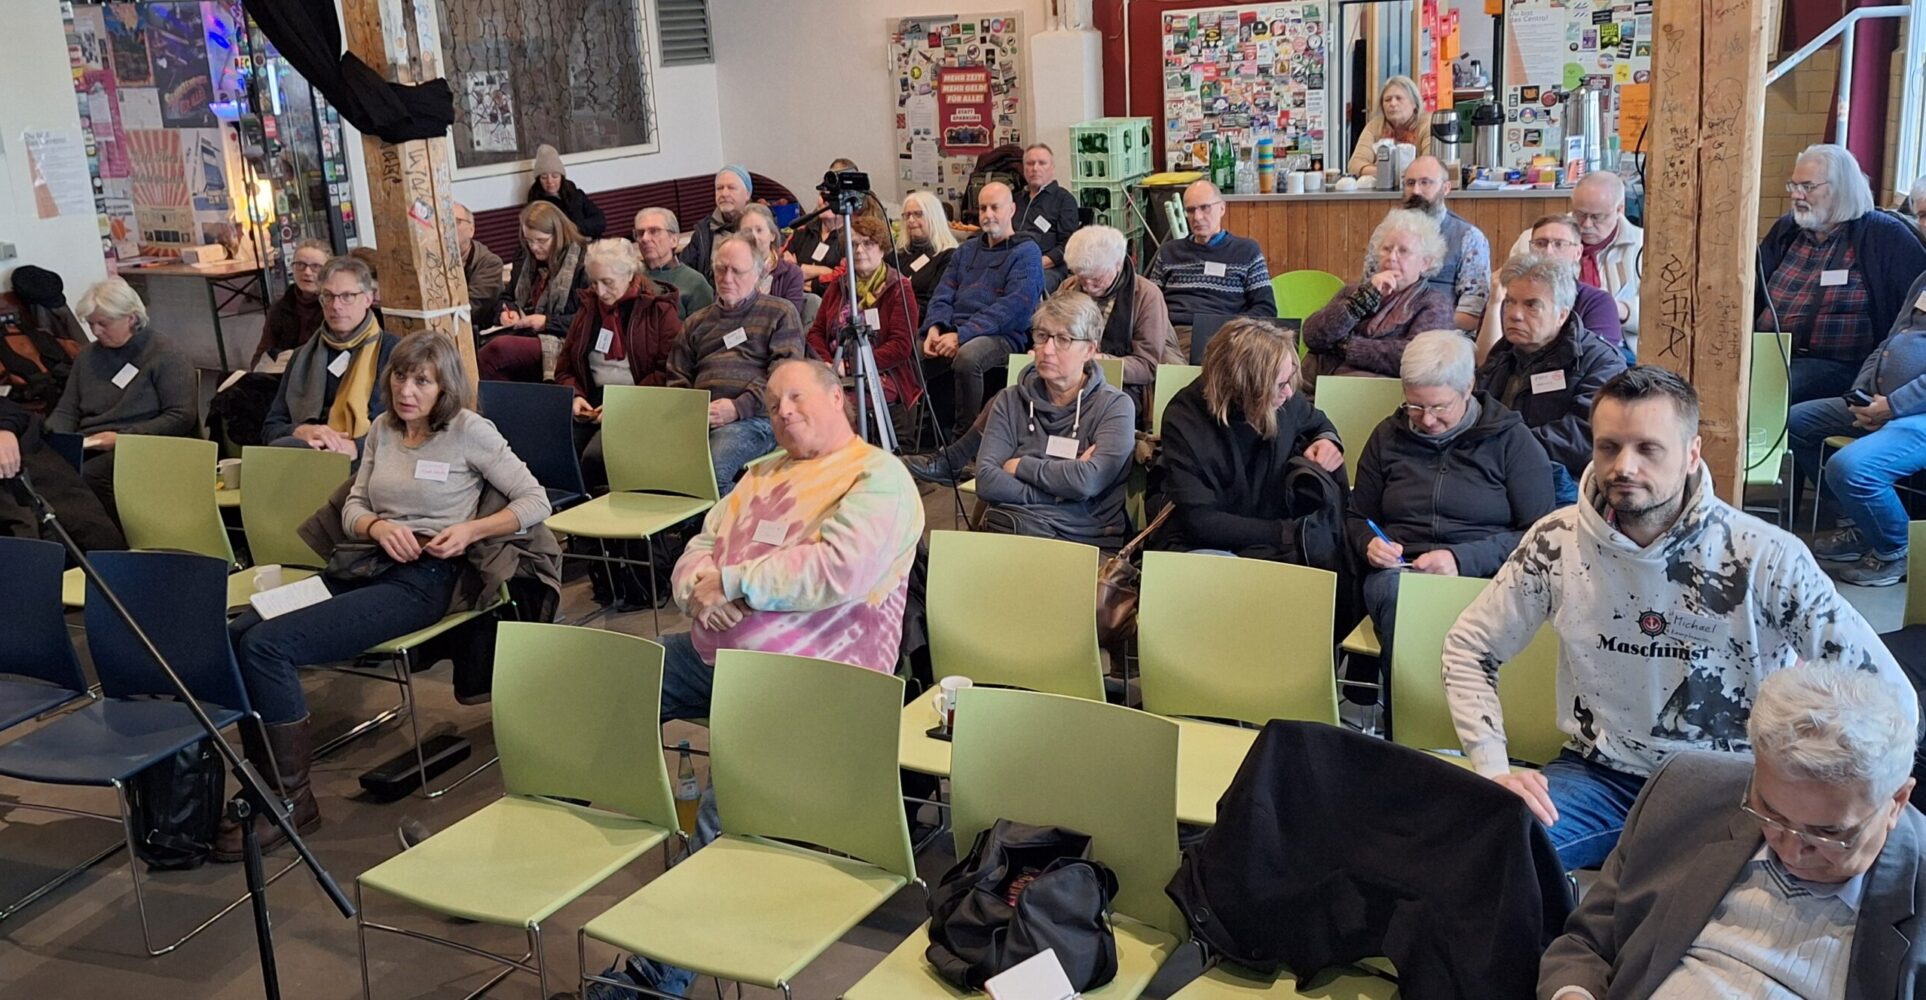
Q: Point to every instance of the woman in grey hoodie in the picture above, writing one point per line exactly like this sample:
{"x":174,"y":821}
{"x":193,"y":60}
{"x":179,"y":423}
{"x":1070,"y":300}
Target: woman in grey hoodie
{"x":1056,"y":450}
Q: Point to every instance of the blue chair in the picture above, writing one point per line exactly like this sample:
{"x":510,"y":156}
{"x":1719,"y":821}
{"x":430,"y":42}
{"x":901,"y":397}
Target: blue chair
{"x":180,"y":599}
{"x":38,"y":669}
{"x":538,"y":419}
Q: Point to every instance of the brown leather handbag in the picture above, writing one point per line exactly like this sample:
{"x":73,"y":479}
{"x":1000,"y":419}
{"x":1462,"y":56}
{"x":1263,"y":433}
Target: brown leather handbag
{"x":1117,"y":586}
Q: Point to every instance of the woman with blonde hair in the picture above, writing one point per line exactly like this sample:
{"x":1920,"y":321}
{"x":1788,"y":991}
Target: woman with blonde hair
{"x":415,"y":506}
{"x":1400,"y":117}
{"x":780,"y":278}
{"x":1229,"y":439}
{"x":923,"y":246}
{"x":544,"y":285}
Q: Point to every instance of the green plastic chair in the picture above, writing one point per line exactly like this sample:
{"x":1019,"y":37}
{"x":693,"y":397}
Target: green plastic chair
{"x":1357,"y":404}
{"x":170,"y":483}
{"x":1301,"y":293}
{"x":802,"y":752}
{"x":565,"y":708}
{"x":1112,"y":368}
{"x":290,"y":484}
{"x":1768,"y":398}
{"x":1203,"y":655}
{"x":1171,"y":379}
{"x":1915,"y":610}
{"x":1008,"y":610}
{"x":660,"y":471}
{"x":1428,"y":606}
{"x":1046,"y":759}
{"x":1230,"y":982}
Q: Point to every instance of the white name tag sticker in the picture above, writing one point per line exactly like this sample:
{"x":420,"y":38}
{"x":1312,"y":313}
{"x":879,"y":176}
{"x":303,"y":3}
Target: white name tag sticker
{"x":873,"y":317}
{"x":124,"y":376}
{"x":1547,"y":382}
{"x":1920,"y":303}
{"x":1697,"y":628}
{"x":771,"y":532}
{"x":821,"y":251}
{"x":603,"y":340}
{"x":1043,"y":224}
{"x":1060,"y":447}
{"x":1833,"y":279}
{"x":1213,"y":269}
{"x":339,"y":366}
{"x":5,"y":391}
{"x":917,"y":265}
{"x":735,"y":339}
{"x":432,"y":471}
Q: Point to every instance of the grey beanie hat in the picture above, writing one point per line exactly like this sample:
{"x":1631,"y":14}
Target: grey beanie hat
{"x":548,"y":161}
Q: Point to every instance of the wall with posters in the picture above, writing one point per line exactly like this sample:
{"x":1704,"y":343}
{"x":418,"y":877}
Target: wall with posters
{"x":958,"y":95}
{"x":40,"y":97}
{"x":1556,"y":45}
{"x":1247,"y":72}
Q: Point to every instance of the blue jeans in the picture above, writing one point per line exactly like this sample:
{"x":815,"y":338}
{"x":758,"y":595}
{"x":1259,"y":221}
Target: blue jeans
{"x":686,"y":680}
{"x":1860,"y":476}
{"x":736,"y":444}
{"x":1592,"y":801}
{"x":974,"y":359}
{"x":362,"y":613}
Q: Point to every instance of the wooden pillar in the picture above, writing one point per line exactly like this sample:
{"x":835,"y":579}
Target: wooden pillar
{"x":411,"y":184}
{"x":1702,"y":210}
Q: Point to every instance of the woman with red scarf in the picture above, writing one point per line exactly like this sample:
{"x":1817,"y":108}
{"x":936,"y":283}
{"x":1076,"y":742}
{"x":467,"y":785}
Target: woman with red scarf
{"x":888,"y":306}
{"x":621,"y":335}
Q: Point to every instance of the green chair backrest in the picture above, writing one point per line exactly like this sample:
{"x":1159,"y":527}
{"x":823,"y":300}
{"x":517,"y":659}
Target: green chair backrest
{"x":1356,"y":405}
{"x":806,"y":750}
{"x":1016,"y":611}
{"x":1104,"y":770}
{"x":286,"y":487}
{"x":1171,"y":379}
{"x":1301,"y":293}
{"x":1203,"y":653}
{"x":1427,"y":608}
{"x":1767,"y":400}
{"x":1112,"y":368}
{"x":575,"y":712}
{"x":165,"y":486}
{"x":1915,"y":611}
{"x":656,"y":440}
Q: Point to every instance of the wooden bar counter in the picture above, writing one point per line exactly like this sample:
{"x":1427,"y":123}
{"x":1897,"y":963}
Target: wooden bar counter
{"x":1329,"y":231}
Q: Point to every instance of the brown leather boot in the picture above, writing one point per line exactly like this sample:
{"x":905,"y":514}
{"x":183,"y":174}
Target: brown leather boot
{"x":293,"y":746}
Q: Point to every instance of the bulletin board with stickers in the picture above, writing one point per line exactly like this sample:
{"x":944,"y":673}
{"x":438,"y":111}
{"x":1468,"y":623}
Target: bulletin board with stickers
{"x":958,"y":96}
{"x":1554,"y":46}
{"x":1247,"y":73}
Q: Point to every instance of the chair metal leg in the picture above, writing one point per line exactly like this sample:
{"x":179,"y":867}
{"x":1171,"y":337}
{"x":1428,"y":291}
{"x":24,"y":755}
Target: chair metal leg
{"x":404,"y":676}
{"x":70,"y":874}
{"x":655,"y":599}
{"x":362,"y":925}
{"x":582,"y":962}
{"x":535,"y":949}
{"x":361,"y":939}
{"x":140,"y":902}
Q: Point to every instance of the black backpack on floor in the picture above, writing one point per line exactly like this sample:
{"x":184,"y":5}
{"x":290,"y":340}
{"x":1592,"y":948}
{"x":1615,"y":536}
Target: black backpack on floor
{"x":1020,"y":891}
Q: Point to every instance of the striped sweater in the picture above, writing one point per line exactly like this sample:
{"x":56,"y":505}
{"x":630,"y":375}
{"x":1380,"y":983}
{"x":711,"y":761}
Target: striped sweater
{"x":1227,"y":276}
{"x":709,"y":356}
{"x":835,"y":586}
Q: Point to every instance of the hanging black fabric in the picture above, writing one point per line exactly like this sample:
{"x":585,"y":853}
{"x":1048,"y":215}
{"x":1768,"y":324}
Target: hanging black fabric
{"x":308,"y":36}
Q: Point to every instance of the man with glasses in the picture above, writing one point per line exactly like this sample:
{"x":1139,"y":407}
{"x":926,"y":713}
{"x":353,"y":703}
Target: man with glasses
{"x":1212,"y":272}
{"x":331,"y":392}
{"x":1557,"y":238}
{"x":1833,"y":272}
{"x":1611,"y":251}
{"x":482,"y":268}
{"x":1465,"y":274}
{"x":1794,"y":874}
{"x":1670,"y":606}
{"x":656,"y":230}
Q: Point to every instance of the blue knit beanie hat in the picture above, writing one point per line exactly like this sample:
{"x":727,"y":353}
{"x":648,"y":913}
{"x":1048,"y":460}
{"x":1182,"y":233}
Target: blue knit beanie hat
{"x":742,"y":174}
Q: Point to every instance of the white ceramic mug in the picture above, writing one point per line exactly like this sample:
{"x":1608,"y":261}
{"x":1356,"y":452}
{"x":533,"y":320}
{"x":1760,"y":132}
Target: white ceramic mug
{"x":267,"y":577}
{"x":1313,"y":182}
{"x":946,"y":690}
{"x":229,"y":470}
{"x":1295,"y":183}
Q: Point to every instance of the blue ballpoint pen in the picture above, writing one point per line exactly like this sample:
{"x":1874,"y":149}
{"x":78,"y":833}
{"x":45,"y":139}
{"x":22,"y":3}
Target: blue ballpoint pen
{"x":1382,"y":537}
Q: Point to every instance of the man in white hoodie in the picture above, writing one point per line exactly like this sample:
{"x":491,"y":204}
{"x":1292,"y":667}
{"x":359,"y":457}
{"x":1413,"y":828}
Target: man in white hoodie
{"x":1671,"y":607}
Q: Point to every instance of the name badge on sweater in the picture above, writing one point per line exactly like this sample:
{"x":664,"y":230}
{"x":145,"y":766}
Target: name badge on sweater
{"x":735,"y":339}
{"x":771,"y":532}
{"x":1043,"y":224}
{"x":1060,"y":447}
{"x":821,"y":251}
{"x":1833,"y":278}
{"x":1547,"y":382}
{"x":339,"y":366}
{"x":1213,"y":269}
{"x":432,"y":471}
{"x":5,"y":391}
{"x":917,"y":265}
{"x":873,"y":317}
{"x":1920,"y":303}
{"x":604,"y":340}
{"x":1697,"y":628}
{"x":124,"y":376}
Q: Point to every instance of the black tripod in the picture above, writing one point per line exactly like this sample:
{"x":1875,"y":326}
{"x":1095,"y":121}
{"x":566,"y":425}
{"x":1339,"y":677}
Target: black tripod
{"x":253,"y":797}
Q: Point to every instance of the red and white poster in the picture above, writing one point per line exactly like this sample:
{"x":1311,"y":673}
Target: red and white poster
{"x":963,"y":115}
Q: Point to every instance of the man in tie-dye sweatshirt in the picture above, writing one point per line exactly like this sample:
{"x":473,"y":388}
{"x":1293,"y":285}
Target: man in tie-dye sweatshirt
{"x":810,"y":554}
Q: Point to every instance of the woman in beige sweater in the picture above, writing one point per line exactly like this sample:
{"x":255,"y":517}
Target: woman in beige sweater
{"x":1401,"y":117}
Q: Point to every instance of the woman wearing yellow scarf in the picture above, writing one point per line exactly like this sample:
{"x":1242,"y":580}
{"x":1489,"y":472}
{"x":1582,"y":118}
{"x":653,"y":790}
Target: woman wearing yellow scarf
{"x":885,"y":303}
{"x":330,"y":394}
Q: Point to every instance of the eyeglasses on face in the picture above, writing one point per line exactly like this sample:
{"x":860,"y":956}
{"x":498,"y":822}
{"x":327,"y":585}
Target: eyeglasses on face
{"x":1552,"y":244}
{"x":1831,"y":845}
{"x":1804,"y":187}
{"x":1414,"y":411}
{"x":1057,"y":340}
{"x":330,"y":298}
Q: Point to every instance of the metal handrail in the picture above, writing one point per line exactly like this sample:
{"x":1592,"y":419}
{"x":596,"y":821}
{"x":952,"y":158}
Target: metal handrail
{"x":1842,"y":104}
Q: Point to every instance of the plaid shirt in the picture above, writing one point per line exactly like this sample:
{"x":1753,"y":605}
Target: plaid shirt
{"x":1825,"y":322}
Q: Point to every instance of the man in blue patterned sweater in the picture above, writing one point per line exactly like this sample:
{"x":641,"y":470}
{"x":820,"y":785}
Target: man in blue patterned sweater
{"x":1212,"y":272}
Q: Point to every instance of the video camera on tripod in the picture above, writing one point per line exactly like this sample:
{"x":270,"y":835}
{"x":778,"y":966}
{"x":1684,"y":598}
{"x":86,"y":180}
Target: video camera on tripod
{"x":846,"y":192}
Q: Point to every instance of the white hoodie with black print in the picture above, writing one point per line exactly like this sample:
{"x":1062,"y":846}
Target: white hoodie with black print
{"x":1661,"y":648}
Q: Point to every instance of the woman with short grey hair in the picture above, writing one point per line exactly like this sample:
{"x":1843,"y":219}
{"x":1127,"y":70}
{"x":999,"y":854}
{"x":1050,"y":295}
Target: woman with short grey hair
{"x":1445,"y":485}
{"x":128,"y":381}
{"x":1363,"y":330}
{"x":1136,"y":323}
